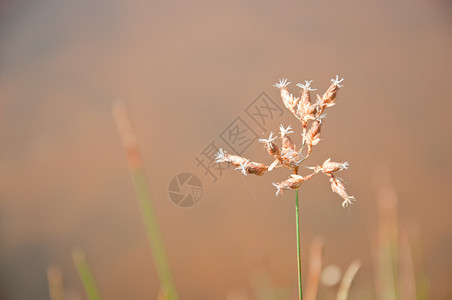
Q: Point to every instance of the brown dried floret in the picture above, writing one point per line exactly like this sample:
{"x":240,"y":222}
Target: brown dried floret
{"x":236,"y":160}
{"x":293,"y":182}
{"x":338,"y":187}
{"x":271,"y":147}
{"x":306,"y":111}
{"x":329,"y":98}
{"x":312,"y":138}
{"x":288,"y":99}
{"x":305,"y":95}
{"x":251,"y":167}
{"x":247,"y":167}
{"x":291,"y":159}
{"x":329,"y":166}
{"x":286,"y":140}
{"x":310,"y":115}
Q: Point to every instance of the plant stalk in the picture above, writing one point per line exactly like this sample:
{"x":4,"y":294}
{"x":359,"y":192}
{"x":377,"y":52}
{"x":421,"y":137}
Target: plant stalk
{"x":84,"y":271}
{"x":168,"y":287}
{"x":297,"y":217}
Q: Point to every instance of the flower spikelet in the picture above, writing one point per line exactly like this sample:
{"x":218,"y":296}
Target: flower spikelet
{"x":329,"y":97}
{"x":253,"y":168}
{"x":288,"y":99}
{"x":293,"y":182}
{"x":311,"y":117}
{"x":286,"y":140}
{"x":312,"y":138}
{"x":329,"y":166}
{"x":338,"y":187}
{"x":305,"y":111}
{"x":270,"y":145}
{"x":223,"y":156}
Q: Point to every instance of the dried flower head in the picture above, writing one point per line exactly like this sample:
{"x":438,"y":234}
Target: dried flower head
{"x":338,"y":187}
{"x":329,"y":97}
{"x":288,"y":99}
{"x":293,"y":182}
{"x":286,"y":140}
{"x":250,"y":167}
{"x":236,"y":160}
{"x":311,"y":118}
{"x":271,"y":147}
{"x":305,"y":111}
{"x":329,"y":166}
{"x":312,"y":138}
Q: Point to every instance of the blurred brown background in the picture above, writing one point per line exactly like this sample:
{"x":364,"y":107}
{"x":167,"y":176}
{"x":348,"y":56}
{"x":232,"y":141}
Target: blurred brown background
{"x":185,"y":71}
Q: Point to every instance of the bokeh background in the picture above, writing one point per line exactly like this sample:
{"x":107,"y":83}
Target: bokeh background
{"x":185,"y":71}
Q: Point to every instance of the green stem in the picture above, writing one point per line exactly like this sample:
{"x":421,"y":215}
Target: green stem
{"x":84,"y":271}
{"x":297,"y":216}
{"x":155,"y":239}
{"x":168,"y":287}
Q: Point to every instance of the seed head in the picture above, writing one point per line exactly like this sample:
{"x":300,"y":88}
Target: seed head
{"x":305,"y":111}
{"x":311,"y":116}
{"x":291,"y":159}
{"x":329,"y":98}
{"x":293,"y":182}
{"x":256,"y":168}
{"x":252,"y":168}
{"x":288,"y":99}
{"x":236,"y":160}
{"x":305,"y":100}
{"x":329,"y":167}
{"x":286,"y":140}
{"x":338,"y":187}
{"x":271,"y":147}
{"x":312,"y":138}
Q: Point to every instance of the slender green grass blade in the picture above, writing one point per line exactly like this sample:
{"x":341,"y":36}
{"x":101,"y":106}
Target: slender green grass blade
{"x":297,"y":217}
{"x":84,"y":271}
{"x":168,"y":287}
{"x":155,"y":239}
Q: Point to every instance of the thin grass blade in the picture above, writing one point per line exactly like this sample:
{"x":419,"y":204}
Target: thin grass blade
{"x":84,"y":271}
{"x":145,"y":203}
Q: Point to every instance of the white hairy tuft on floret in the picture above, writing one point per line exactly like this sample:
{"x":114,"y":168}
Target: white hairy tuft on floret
{"x":306,"y":85}
{"x":348,"y":201}
{"x":220,"y":157}
{"x":270,"y":139}
{"x":283,"y":82}
{"x":285,"y":131}
{"x":337,"y":81}
{"x":243,"y":167}
{"x":279,"y":188}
